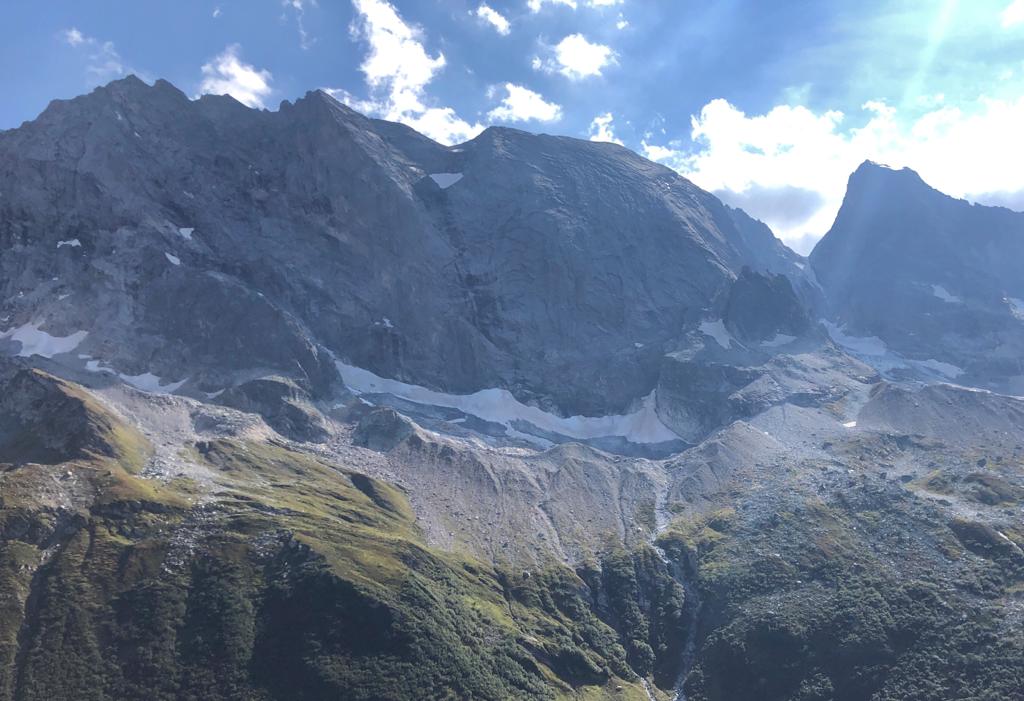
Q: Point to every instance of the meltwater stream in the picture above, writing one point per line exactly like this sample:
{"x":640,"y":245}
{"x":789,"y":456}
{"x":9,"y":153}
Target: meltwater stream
{"x":692,"y":605}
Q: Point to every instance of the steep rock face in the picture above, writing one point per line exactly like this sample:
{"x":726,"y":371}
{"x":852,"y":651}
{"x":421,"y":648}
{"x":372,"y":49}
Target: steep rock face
{"x":931,"y":276}
{"x":763,"y":308}
{"x":763,"y":351}
{"x":206,"y":243}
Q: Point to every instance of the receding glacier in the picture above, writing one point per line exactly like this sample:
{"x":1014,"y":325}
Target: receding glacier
{"x":500,"y":406}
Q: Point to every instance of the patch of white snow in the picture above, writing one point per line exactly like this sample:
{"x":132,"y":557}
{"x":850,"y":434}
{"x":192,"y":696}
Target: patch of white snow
{"x":850,"y":424}
{"x":943,"y":294}
{"x":780,"y":339}
{"x":186,"y":232}
{"x":946,"y":369}
{"x":717,"y":331}
{"x":35,"y":341}
{"x":174,"y":260}
{"x":148,"y":382}
{"x":499,"y":406}
{"x":445,"y":180}
{"x":73,"y":243}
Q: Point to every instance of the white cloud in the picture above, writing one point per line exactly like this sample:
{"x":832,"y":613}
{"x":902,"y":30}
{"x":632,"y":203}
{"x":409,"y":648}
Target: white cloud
{"x":576,"y":58}
{"x":622,"y":23}
{"x":398,"y":69}
{"x":299,"y":8}
{"x":226,"y":74}
{"x":73,"y":37}
{"x":103,"y":62}
{"x":522,"y":105}
{"x":216,"y":12}
{"x":792,"y":149}
{"x":602,"y":128}
{"x":1013,"y":14}
{"x":657,"y":153}
{"x":537,"y":5}
{"x":494,"y":18}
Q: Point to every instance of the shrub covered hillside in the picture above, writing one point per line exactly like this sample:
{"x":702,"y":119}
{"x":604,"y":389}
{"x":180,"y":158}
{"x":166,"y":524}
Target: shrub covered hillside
{"x":292,"y":579}
{"x":821,"y":592}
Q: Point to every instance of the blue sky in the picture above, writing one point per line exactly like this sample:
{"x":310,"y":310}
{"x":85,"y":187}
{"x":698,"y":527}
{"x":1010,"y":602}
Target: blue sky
{"x":768,"y":104}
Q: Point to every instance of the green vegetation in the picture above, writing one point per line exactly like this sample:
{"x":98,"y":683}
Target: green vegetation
{"x":810,"y":599}
{"x":299,"y":580}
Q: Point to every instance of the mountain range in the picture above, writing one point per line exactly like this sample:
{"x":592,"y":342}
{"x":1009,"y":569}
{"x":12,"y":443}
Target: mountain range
{"x":300,"y":404}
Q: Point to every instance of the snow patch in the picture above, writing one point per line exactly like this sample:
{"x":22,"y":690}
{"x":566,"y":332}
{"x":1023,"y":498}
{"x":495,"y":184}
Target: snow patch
{"x":385,"y":322}
{"x":946,"y":369}
{"x":717,"y":331}
{"x":780,"y":339}
{"x":943,"y":294}
{"x":499,"y":406}
{"x":871,"y":346}
{"x":873,"y":351}
{"x":35,"y":341}
{"x":72,"y":243}
{"x":850,"y":424}
{"x":186,"y":232}
{"x":148,"y":382}
{"x":445,"y":180}
{"x":174,"y":260}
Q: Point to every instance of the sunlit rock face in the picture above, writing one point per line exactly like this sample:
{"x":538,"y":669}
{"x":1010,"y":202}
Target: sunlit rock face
{"x":199,"y":240}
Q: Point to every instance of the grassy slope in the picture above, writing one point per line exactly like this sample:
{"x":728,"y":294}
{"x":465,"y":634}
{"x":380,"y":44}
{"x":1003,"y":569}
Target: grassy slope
{"x":299,"y":581}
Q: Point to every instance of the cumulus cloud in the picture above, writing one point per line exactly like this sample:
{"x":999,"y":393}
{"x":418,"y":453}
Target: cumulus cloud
{"x":1013,"y":14}
{"x":602,"y":128}
{"x":227,"y":74}
{"x":103,"y":62}
{"x":522,"y":105}
{"x":662,"y":154}
{"x":576,"y":58}
{"x":789,"y":166}
{"x":494,"y":18}
{"x":398,"y":69}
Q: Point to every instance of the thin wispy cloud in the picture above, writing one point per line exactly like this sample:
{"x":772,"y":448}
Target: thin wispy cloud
{"x":298,"y":9}
{"x":538,"y":5}
{"x":102,"y":61}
